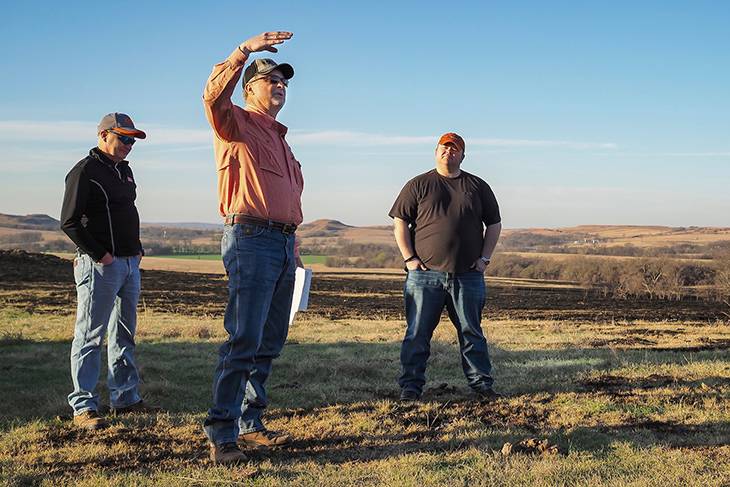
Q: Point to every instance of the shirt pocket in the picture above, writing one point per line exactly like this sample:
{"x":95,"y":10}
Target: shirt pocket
{"x":268,"y":162}
{"x":298,"y":177}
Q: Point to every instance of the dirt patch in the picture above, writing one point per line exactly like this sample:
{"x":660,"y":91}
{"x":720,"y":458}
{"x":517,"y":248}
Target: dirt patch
{"x":622,"y":342}
{"x":22,"y":266}
{"x":708,"y":344}
{"x":613,"y":383}
{"x":530,"y":446}
{"x":137,"y":449}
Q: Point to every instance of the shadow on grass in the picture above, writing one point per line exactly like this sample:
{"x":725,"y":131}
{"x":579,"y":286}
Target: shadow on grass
{"x":317,"y":384}
{"x":178,"y":374}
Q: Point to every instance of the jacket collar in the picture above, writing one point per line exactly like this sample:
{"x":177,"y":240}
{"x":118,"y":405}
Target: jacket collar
{"x":97,"y":154}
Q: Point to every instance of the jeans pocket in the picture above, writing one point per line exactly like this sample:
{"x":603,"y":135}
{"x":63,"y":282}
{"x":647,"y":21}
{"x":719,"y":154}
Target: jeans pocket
{"x":246,"y":231}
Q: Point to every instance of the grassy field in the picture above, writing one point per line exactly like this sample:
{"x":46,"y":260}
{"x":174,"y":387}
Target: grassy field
{"x":626,"y":399}
{"x":619,"y":416}
{"x":306,"y":259}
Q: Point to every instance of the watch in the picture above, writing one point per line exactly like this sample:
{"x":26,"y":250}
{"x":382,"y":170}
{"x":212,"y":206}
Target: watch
{"x":485,"y":260}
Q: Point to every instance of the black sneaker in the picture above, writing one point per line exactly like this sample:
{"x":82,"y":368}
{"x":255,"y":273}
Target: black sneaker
{"x":488,"y":395}
{"x":409,"y":395}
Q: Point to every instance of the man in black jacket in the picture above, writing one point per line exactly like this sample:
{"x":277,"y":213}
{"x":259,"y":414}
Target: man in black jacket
{"x":100,"y":216}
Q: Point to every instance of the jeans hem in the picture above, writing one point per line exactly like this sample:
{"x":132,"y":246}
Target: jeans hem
{"x":223,"y":442}
{"x":84,"y":410}
{"x":254,"y":430}
{"x":121,"y":406}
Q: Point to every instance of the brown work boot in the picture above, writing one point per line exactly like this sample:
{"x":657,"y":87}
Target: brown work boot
{"x":264,"y":439}
{"x":140,"y":407}
{"x":227,"y":453}
{"x":488,"y":395}
{"x":90,"y":420}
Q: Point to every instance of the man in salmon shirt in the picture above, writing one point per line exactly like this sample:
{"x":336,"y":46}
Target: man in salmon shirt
{"x":259,"y":185}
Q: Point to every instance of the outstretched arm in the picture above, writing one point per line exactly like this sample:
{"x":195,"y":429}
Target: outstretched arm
{"x":222,"y":81}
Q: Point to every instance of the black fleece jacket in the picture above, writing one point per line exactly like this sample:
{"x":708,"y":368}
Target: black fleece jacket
{"x":98,"y":211}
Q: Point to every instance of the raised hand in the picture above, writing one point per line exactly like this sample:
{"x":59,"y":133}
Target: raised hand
{"x":266,"y":41}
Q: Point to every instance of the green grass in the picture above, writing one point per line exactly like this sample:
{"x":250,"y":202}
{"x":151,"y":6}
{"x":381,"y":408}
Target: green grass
{"x":190,"y":256}
{"x":620,"y":416}
{"x":306,"y":259}
{"x":314,"y":259}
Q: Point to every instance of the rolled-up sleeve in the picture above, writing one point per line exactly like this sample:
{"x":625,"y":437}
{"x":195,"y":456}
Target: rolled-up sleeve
{"x":218,"y":92}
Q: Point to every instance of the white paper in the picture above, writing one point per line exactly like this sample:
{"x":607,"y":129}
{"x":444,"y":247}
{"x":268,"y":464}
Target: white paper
{"x":300,"y":299}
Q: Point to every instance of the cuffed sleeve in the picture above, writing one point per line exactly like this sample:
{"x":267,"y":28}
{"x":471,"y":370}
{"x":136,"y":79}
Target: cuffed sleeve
{"x":218,"y":92}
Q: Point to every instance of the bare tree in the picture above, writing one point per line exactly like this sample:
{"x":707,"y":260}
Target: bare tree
{"x":722,"y":281}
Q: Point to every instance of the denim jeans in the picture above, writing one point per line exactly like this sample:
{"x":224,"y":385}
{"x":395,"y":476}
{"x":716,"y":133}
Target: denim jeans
{"x":426,"y":293}
{"x":107,"y":298}
{"x":260,"y":264}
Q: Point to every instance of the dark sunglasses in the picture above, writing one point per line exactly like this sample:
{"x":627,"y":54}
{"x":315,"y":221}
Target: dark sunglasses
{"x":275,"y":80}
{"x":124,"y":139}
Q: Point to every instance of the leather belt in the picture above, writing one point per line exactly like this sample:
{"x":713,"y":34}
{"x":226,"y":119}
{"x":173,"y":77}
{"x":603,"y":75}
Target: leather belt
{"x":285,"y":228}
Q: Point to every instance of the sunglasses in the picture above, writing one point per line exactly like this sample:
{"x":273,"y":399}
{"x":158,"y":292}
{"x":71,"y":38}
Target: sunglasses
{"x":124,"y":139}
{"x":275,"y":80}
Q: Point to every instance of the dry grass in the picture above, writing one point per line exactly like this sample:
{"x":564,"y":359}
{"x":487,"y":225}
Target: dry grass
{"x":621,"y":412}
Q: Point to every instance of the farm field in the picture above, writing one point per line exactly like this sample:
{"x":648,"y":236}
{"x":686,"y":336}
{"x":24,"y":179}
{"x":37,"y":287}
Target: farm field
{"x":627,"y":392}
{"x":306,"y":259}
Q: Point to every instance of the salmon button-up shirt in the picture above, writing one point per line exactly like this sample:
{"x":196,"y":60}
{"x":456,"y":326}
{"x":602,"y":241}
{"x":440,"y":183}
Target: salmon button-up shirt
{"x":257,"y":172}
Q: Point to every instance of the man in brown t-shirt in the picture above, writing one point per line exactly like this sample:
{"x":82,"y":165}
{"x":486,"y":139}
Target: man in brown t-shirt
{"x":439,"y":219}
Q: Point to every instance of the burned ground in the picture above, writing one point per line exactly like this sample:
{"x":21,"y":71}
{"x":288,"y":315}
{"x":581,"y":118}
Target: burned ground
{"x":44,"y":283}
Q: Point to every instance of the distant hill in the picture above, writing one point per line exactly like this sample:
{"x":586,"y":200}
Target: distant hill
{"x":322,"y":228}
{"x":330,"y":232}
{"x":184,"y":225}
{"x":638,"y":235}
{"x":29,"y":222}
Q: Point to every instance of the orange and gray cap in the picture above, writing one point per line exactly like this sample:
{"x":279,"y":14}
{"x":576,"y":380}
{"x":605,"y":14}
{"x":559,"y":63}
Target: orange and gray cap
{"x":452,"y":138}
{"x":121,"y":124}
{"x":262,"y":67}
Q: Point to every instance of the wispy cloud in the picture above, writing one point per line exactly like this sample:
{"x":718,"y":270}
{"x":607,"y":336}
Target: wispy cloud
{"x":75,"y":131}
{"x":687,"y":154}
{"x":352,"y":138}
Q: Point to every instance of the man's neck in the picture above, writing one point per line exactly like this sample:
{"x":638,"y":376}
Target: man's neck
{"x":448,"y":172}
{"x":271,"y":111}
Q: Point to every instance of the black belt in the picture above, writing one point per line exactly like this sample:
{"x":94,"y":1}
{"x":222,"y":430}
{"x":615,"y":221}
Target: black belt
{"x":285,"y":228}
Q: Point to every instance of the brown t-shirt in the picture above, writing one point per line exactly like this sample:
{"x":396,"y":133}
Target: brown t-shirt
{"x":446,"y":217}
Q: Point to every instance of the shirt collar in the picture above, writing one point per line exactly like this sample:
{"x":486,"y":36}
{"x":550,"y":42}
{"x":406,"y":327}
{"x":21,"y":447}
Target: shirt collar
{"x":267,"y":121}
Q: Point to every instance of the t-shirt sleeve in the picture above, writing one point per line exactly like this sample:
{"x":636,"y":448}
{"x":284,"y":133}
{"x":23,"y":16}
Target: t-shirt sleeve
{"x":490,"y":208}
{"x":406,"y":204}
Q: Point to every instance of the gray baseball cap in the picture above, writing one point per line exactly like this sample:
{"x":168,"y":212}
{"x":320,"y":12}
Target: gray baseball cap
{"x":261,"y":67}
{"x":121,"y":123}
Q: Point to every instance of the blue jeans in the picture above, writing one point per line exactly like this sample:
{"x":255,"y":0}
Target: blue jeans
{"x":426,"y":293}
{"x":107,"y":298}
{"x":260,"y":264}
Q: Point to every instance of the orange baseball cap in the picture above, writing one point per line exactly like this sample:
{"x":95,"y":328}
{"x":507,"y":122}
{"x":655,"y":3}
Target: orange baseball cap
{"x":452,"y":138}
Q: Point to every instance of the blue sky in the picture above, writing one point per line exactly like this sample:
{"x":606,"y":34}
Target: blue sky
{"x":574,"y":112}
